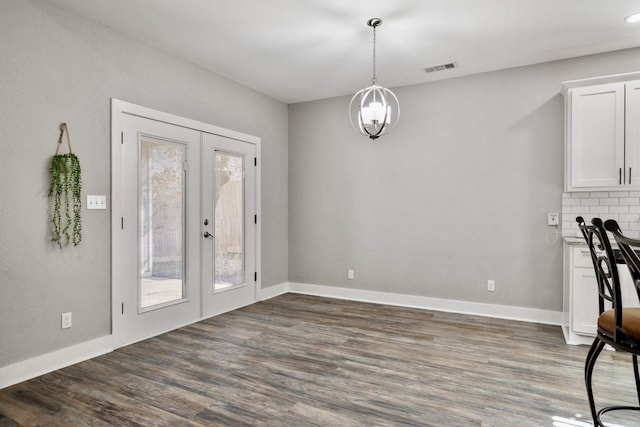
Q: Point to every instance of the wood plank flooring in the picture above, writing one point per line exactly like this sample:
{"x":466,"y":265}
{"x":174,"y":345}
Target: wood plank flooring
{"x":307,"y":361}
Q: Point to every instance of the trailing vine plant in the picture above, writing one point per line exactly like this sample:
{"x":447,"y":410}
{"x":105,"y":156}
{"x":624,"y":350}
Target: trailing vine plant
{"x":65,"y":190}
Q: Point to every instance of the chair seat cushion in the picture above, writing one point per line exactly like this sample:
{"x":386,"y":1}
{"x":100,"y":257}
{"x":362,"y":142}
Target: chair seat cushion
{"x":630,"y":321}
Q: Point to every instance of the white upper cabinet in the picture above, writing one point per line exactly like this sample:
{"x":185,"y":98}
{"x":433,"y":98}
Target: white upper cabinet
{"x":596,"y":136}
{"x":602,"y":141}
{"x":632,"y":132}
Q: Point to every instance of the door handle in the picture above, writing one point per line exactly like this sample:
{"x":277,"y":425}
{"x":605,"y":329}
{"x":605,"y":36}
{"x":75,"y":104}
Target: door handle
{"x":208,"y":235}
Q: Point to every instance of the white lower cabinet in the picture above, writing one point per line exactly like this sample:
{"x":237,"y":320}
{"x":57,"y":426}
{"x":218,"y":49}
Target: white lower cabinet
{"x":584,"y":304}
{"x":580,"y":299}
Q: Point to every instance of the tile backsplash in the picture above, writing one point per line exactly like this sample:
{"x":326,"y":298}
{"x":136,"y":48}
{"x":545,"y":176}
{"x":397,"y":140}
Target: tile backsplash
{"x":623,"y":206}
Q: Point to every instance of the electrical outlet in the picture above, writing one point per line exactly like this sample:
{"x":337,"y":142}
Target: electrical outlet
{"x":552,"y":218}
{"x":491,"y":285}
{"x":350,"y":274}
{"x":66,"y":320}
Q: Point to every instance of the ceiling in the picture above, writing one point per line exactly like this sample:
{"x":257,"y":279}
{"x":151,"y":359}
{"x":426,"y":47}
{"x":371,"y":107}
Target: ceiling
{"x":302,"y":50}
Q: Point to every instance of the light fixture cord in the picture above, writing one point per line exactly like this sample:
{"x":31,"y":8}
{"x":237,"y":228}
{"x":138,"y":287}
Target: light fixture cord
{"x":374,"y":80}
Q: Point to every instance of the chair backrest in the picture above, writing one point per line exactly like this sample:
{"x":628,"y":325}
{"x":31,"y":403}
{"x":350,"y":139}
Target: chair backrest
{"x":604,"y":265}
{"x":629,"y":249}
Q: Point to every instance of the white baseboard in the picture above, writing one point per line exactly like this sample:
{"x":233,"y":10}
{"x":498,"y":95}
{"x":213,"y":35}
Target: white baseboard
{"x":438,"y":304}
{"x":273,"y":291}
{"x":39,"y":365}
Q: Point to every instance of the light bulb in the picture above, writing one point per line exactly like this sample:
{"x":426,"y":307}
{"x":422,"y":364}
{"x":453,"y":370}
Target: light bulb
{"x":633,"y":18}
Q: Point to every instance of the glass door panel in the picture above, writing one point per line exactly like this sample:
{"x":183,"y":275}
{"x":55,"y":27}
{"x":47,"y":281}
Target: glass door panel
{"x":162,"y":223}
{"x":229,"y":220}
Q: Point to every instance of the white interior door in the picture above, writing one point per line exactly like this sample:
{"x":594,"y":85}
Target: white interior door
{"x":228,"y":224}
{"x":156,"y":274}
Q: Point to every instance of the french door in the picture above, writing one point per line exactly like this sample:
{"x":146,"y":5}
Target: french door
{"x":183,"y":223}
{"x":156,"y":252}
{"x":228,"y":224}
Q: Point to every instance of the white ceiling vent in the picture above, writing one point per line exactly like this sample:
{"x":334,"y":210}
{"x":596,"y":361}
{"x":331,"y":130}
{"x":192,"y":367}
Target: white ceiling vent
{"x":441,"y":67}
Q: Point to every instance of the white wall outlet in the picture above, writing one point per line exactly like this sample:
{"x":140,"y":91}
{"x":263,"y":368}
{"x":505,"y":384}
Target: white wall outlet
{"x":491,"y":285}
{"x":96,"y":202}
{"x":350,"y":274}
{"x":66,"y":320}
{"x":552,"y":218}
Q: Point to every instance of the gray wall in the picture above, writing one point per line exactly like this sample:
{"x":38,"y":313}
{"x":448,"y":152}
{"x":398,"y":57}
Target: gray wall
{"x":57,"y":67}
{"x":456,"y":195}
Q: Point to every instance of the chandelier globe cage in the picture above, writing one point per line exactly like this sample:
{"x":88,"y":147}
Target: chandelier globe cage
{"x":374,"y":111}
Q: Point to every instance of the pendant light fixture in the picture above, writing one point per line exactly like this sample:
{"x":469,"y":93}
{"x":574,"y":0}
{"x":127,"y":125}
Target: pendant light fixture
{"x":374,"y":110}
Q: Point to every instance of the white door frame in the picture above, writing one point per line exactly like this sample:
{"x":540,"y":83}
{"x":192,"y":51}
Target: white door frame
{"x":120,"y":109}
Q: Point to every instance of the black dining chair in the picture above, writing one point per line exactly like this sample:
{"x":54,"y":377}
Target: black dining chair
{"x":618,"y":327}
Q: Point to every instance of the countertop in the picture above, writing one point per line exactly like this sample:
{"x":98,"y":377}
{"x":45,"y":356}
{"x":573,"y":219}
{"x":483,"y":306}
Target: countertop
{"x":574,"y":240}
{"x":579,"y":241}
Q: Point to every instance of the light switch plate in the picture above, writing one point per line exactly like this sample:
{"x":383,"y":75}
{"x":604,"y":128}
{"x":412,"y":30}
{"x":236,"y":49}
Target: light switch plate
{"x":552,"y":218}
{"x":96,"y":202}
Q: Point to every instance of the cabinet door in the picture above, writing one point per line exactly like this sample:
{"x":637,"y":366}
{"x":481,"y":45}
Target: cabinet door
{"x":596,"y":139}
{"x":632,"y":137}
{"x":584,"y":300}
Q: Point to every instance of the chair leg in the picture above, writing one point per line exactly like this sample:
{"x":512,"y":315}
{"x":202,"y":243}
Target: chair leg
{"x":589,"y":353}
{"x":592,"y":356}
{"x":635,"y":371}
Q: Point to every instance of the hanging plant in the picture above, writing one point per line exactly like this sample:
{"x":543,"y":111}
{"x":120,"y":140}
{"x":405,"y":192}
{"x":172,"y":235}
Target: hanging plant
{"x":65,"y":191}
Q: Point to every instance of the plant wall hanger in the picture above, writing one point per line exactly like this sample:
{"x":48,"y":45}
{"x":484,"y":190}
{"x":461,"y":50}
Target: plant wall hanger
{"x":65,"y":193}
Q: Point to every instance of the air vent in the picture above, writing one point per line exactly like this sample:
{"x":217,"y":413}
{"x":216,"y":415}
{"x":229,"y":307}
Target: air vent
{"x":441,"y":67}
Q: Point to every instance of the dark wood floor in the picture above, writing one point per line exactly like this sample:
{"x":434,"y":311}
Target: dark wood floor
{"x":307,"y":361}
